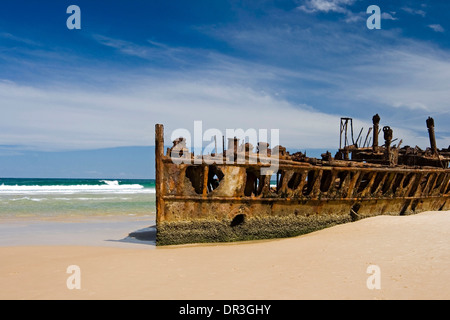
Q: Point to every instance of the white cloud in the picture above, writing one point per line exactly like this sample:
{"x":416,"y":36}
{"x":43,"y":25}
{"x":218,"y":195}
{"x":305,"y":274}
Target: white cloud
{"x":311,"y":6}
{"x":327,"y":68}
{"x":9,"y":36}
{"x":414,"y":11}
{"x":337,"y":6}
{"x":355,"y":17}
{"x":414,"y":77}
{"x":436,"y":27}
{"x":388,"y":16}
{"x":405,"y":82}
{"x":152,"y":51}
{"x":55,"y":118}
{"x":126,"y":47}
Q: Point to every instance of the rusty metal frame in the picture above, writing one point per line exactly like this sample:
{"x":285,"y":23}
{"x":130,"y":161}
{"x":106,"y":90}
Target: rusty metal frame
{"x":207,"y":202}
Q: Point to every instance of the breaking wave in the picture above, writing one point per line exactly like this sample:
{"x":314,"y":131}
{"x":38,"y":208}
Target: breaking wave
{"x":106,"y":187}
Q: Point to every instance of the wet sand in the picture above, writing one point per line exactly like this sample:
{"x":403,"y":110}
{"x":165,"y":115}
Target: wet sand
{"x":412,"y":254}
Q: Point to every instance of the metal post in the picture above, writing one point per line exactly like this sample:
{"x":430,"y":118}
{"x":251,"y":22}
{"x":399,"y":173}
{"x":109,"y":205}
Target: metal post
{"x":376,"y":122}
{"x":430,"y":126}
{"x":159,"y":154}
{"x":388,"y":139}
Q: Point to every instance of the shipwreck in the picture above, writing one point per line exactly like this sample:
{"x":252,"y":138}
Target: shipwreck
{"x":205,"y":201}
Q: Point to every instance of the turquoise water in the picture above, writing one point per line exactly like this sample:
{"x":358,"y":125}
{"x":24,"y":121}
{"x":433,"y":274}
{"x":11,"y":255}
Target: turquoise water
{"x":76,"y":197}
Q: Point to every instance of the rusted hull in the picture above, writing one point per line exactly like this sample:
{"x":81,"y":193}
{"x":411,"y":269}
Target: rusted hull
{"x":305,"y":200}
{"x":201,"y":201}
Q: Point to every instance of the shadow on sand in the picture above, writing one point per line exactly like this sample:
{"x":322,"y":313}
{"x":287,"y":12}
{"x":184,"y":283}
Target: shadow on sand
{"x":142,"y":236}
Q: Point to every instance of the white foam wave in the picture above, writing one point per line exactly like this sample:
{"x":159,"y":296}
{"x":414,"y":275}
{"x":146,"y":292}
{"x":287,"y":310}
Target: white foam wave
{"x":108,"y":188}
{"x":110,"y":182}
{"x":29,"y":199}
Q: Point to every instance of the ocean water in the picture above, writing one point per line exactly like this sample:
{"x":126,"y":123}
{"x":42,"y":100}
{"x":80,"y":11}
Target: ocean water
{"x":76,"y":197}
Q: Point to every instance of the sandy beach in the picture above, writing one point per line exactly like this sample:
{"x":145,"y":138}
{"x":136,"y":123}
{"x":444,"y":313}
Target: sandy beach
{"x":411,"y":253}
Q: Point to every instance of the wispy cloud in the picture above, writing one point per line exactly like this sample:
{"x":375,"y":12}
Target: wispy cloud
{"x":9,"y":36}
{"x":230,"y":93}
{"x":312,"y":6}
{"x":298,"y":75}
{"x":153,"y":51}
{"x":333,"y":6}
{"x":387,"y":73}
{"x":409,"y":83}
{"x":388,"y":16}
{"x":436,"y":27}
{"x":54,"y":118}
{"x":123,"y":46}
{"x":413,"y":11}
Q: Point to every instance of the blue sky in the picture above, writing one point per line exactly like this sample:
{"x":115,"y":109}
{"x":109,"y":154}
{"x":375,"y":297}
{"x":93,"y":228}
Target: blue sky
{"x":293,"y":65}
